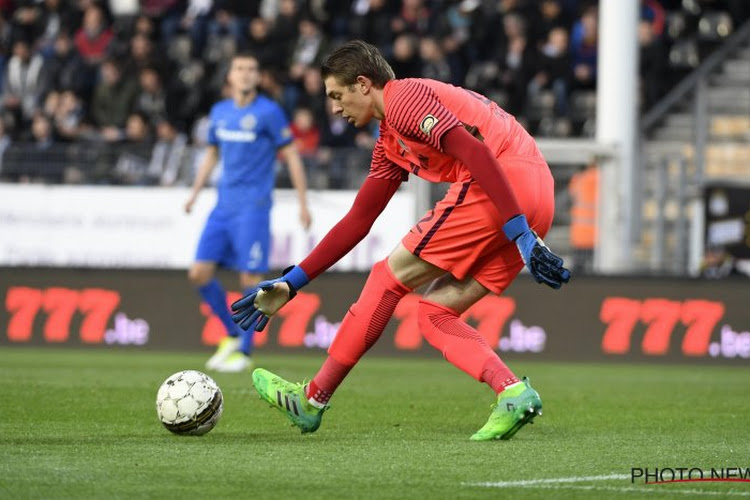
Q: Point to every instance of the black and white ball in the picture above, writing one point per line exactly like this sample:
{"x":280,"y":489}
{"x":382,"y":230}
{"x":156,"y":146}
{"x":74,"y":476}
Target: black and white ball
{"x":189,"y":402}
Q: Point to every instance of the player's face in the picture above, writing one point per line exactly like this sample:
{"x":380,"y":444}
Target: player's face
{"x":350,"y":102}
{"x":243,"y":74}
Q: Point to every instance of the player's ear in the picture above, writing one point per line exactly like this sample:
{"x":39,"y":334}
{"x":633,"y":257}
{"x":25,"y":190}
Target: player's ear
{"x":363,"y":84}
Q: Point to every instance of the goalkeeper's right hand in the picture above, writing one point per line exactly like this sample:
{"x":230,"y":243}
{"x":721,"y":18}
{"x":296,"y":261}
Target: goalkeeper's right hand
{"x":257,"y":306}
{"x":545,"y":266}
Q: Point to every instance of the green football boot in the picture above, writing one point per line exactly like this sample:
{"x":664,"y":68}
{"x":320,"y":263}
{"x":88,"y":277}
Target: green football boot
{"x":289,"y":399}
{"x":515,"y":407}
{"x":226,"y":348}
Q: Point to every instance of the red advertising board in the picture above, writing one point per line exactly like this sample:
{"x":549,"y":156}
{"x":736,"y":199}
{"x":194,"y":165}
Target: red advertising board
{"x":593,"y":318}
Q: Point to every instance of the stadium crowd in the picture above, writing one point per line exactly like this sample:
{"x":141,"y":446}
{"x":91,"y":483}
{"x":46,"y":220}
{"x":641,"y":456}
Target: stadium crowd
{"x":117,"y":91}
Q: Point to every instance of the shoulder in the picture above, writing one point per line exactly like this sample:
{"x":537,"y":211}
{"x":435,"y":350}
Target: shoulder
{"x":221,"y":107}
{"x":267,"y":104}
{"x":404,"y":97}
{"x":405,"y":89}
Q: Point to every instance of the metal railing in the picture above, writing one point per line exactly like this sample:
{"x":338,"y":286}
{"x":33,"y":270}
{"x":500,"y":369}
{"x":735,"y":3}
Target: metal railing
{"x":678,"y":171}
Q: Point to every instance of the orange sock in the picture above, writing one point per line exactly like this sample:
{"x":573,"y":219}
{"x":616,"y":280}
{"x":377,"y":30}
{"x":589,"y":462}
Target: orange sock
{"x":366,"y":319}
{"x":360,"y":329}
{"x":462,"y":345}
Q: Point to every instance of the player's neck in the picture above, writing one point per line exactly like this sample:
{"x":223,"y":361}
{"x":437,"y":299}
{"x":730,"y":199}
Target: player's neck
{"x":378,"y":103}
{"x":242,"y":99}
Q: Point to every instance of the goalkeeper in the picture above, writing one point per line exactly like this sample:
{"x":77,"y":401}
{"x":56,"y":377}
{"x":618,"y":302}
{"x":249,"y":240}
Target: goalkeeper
{"x":474,"y":241}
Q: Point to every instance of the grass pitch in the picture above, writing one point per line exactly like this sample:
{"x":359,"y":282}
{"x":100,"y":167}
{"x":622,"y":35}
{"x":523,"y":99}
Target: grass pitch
{"x":82,"y":424}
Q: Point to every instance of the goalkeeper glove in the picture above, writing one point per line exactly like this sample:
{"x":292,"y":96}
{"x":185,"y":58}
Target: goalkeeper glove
{"x":247,"y":316}
{"x":545,"y":266}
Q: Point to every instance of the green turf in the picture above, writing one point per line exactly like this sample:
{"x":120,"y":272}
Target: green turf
{"x":82,"y":424}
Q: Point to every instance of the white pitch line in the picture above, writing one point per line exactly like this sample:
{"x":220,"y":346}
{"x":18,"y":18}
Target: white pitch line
{"x":564,"y":483}
{"x":556,"y":480}
{"x":643,"y":489}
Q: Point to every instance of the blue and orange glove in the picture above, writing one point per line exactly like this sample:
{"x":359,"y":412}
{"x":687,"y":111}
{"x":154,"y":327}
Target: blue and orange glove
{"x":247,"y":316}
{"x":545,"y":266}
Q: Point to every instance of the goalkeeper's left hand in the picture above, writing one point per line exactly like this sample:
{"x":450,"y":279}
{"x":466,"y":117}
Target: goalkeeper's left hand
{"x":255,"y":309}
{"x":545,"y":266}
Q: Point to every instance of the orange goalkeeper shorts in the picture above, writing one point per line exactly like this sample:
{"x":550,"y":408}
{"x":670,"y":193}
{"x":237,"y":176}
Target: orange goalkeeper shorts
{"x":463,"y":233}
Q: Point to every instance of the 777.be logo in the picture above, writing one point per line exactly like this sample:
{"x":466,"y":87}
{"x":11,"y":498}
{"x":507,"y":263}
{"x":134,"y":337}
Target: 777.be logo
{"x":661,"y":316}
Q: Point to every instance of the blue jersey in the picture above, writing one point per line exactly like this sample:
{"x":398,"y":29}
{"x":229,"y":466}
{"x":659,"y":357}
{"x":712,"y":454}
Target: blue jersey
{"x":247,"y":138}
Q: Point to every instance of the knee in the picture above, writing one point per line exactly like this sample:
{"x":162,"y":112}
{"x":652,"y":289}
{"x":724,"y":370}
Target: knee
{"x":199,"y":275}
{"x":248,"y":280}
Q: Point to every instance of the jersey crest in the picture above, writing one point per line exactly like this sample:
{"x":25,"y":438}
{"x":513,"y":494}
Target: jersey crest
{"x":427,"y":124}
{"x":248,"y":122}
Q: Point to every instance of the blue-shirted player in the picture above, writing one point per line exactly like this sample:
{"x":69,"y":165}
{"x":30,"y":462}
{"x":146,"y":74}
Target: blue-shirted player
{"x":246,"y":132}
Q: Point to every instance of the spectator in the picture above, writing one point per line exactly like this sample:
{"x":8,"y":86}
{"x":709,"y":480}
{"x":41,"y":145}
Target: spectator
{"x":261,"y":44}
{"x":286,"y":28}
{"x":584,"y":41}
{"x":516,"y":63}
{"x":55,"y":17}
{"x":31,"y":161}
{"x":65,"y":69}
{"x":25,"y":21}
{"x":151,"y":100}
{"x":94,"y":37}
{"x":232,"y":17}
{"x":166,"y":14}
{"x":276,"y":85}
{"x":333,"y":16}
{"x":312,"y":95}
{"x":23,"y":84}
{"x":584,"y":189}
{"x":143,"y":25}
{"x":168,"y":156}
{"x":308,"y":50}
{"x":143,"y":55}
{"x":195,"y":21}
{"x":68,"y":116}
{"x":306,"y":133}
{"x":371,"y":21}
{"x":414,"y":17}
{"x":112,"y":101}
{"x":653,"y":65}
{"x":554,"y":70}
{"x":653,"y":12}
{"x":336,"y":138}
{"x":434,"y":63}
{"x":458,"y":29}
{"x":135,"y":151}
{"x":550,"y":15}
{"x":405,"y":56}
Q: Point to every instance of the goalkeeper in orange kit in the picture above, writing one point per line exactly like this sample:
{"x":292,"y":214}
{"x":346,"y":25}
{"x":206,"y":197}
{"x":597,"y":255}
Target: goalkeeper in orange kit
{"x":475,"y":241}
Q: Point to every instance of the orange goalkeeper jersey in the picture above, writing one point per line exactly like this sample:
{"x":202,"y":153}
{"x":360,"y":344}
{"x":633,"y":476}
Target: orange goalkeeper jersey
{"x":417,"y":114}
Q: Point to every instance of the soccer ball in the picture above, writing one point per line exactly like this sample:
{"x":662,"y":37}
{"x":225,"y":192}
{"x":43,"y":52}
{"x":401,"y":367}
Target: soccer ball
{"x":189,"y":402}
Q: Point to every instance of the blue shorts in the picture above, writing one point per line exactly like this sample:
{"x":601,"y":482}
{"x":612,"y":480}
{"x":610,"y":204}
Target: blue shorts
{"x":238,"y":241}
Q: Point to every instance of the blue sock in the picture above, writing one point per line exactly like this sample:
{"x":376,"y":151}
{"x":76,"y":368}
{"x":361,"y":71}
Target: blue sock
{"x":215,"y":296}
{"x":246,"y":344}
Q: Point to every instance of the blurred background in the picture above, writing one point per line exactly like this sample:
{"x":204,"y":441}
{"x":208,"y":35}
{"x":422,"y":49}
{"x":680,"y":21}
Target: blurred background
{"x":642,"y":109}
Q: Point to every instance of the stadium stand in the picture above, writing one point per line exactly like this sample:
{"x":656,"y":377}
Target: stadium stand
{"x":117,"y":82}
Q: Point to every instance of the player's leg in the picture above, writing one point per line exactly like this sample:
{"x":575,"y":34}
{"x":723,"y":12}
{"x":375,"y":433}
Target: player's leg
{"x":534,"y":188}
{"x":251,"y":244}
{"x":481,"y":260}
{"x":439,"y":321}
{"x":213,"y":247}
{"x":388,"y":282}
